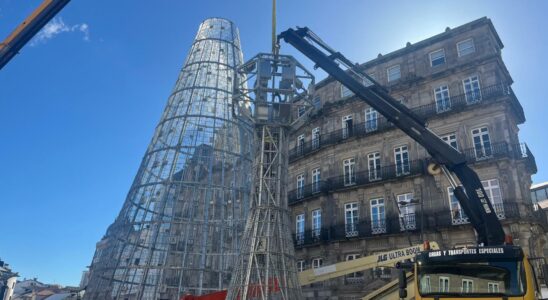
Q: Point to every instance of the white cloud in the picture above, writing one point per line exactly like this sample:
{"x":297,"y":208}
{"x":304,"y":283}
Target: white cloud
{"x":56,"y":27}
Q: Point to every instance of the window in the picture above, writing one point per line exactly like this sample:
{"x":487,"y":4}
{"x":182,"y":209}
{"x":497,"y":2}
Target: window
{"x":444,"y":284}
{"x":300,"y":144}
{"x":370,"y":120}
{"x":467,"y":286}
{"x":407,"y":211}
{"x":437,"y":58}
{"x":356,"y":274}
{"x":349,"y":171}
{"x":301,"y":111}
{"x":316,"y":222}
{"x":472,"y":89}
{"x":426,"y":285}
{"x":381,"y":272}
{"x":316,"y":177}
{"x":401,"y":156}
{"x":351,"y":219}
{"x":492,"y":189}
{"x":299,"y":228}
{"x":394,"y":73}
{"x":457,"y":214}
{"x":347,"y":126}
{"x":345,"y":92}
{"x":317,"y":102}
{"x":300,"y":265}
{"x":317,"y":263}
{"x":316,"y":138}
{"x":443,"y":103}
{"x":493,"y":287}
{"x":482,"y":142}
{"x":451,"y":139}
{"x":378,"y":223}
{"x":374,"y":164}
{"x":539,"y":195}
{"x":300,"y":186}
{"x":466,"y":47}
{"x":367,"y":82}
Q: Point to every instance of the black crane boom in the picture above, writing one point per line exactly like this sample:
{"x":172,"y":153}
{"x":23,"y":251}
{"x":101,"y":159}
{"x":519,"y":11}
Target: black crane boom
{"x":470,"y":194}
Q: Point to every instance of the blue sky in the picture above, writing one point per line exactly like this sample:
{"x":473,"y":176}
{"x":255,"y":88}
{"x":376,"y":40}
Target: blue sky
{"x":78,"y":108}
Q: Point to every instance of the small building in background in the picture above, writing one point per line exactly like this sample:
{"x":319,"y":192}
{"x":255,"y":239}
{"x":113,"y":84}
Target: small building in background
{"x":8,"y":279}
{"x":539,"y":195}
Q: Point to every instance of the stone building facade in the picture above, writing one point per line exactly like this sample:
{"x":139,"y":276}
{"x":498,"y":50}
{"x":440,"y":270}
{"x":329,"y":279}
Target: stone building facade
{"x":358,"y":185}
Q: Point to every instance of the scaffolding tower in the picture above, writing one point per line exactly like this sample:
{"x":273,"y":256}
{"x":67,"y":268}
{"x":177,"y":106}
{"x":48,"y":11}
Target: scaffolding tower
{"x":266,"y":268}
{"x":180,"y":227}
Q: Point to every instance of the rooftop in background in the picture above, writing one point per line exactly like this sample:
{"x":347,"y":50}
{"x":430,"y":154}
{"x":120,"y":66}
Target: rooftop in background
{"x":539,"y":185}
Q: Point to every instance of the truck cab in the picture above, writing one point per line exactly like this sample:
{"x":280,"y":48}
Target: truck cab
{"x":476,"y":272}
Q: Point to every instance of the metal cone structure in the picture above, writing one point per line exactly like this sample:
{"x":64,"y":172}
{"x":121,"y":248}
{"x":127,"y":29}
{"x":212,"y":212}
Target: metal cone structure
{"x":180,"y":228}
{"x":266,"y":267}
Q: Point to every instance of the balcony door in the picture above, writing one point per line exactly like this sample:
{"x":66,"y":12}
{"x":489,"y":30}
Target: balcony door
{"x":300,"y":186}
{"x":316,"y":223}
{"x":378,"y":216}
{"x":347,"y":126}
{"x":457,"y":214}
{"x":374,"y":165}
{"x":349,"y":168}
{"x":407,"y":211}
{"x":351,"y":219}
{"x":492,"y":189}
{"x":472,"y":89}
{"x":299,"y":229}
{"x":370,"y":120}
{"x":316,"y":177}
{"x":401,"y":156}
{"x":300,"y":144}
{"x":482,"y":142}
{"x":316,"y":138}
{"x":443,"y":102}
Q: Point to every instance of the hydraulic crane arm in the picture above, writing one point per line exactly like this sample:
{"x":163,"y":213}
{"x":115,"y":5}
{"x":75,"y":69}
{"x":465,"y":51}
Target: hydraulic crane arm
{"x":26,"y":30}
{"x":471,"y":195}
{"x":383,"y":259}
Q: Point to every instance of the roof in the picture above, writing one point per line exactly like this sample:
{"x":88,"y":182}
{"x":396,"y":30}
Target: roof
{"x":539,"y":185}
{"x":543,"y":204}
{"x":425,"y":43}
{"x":58,"y":296}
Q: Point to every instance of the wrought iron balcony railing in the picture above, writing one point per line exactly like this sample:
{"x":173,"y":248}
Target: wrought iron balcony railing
{"x":455,"y":103}
{"x":335,"y":183}
{"x":395,"y":224}
{"x":487,"y":152}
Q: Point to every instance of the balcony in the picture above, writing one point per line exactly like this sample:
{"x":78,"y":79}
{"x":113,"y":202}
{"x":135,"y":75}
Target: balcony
{"x":311,"y":237}
{"x":455,"y":103}
{"x":355,"y":279}
{"x":433,"y":220}
{"x":505,"y":210}
{"x":378,"y":226}
{"x":362,"y":229}
{"x":496,"y":150}
{"x":363,"y":178}
{"x":306,"y":191}
{"x":523,"y":152}
{"x":408,"y":222}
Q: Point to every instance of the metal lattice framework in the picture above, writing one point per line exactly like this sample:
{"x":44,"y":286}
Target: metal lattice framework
{"x":266,"y":267}
{"x":180,"y":228}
